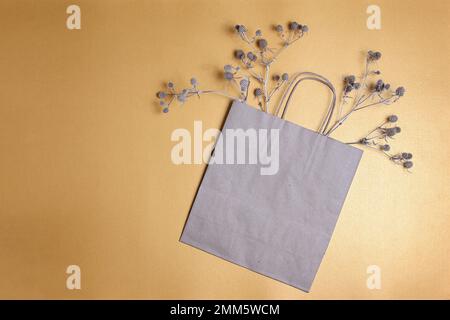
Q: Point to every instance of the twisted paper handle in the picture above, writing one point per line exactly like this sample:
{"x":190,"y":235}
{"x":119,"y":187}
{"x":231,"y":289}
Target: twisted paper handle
{"x":293,"y":84}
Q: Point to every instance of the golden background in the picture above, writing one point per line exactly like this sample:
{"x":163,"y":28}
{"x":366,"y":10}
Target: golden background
{"x":85,"y":170}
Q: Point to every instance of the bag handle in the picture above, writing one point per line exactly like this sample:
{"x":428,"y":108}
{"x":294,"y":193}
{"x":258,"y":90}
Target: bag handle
{"x":296,"y":80}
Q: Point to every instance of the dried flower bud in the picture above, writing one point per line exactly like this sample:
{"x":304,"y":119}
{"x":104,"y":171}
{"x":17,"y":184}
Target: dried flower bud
{"x":363,"y":141}
{"x":385,"y":147}
{"x":170,"y":85}
{"x":393,"y":118}
{"x":228,"y":75}
{"x":244,"y":84}
{"x":379,"y":86}
{"x":228,"y":68}
{"x":357,"y":85}
{"x":279,"y":28}
{"x":285,"y":77}
{"x":349,"y":79}
{"x":182,"y":96}
{"x":400,"y":91}
{"x":162,"y":103}
{"x":376,"y":72}
{"x":305,"y":28}
{"x":390,"y":132}
{"x":251,"y":56}
{"x":239,"y":54}
{"x":262,"y":43}
{"x":387,"y":86}
{"x":398,"y":129}
{"x":373,"y":56}
{"x":258,"y":92}
{"x":276,"y":77}
{"x":165,"y":110}
{"x":293,"y":25}
{"x":407,"y":155}
{"x":240,"y":28}
{"x":258,"y":33}
{"x":194,"y":82}
{"x":161,"y":95}
{"x":408,"y":164}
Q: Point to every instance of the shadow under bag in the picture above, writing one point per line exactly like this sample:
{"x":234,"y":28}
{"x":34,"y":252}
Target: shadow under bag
{"x":278,"y":225}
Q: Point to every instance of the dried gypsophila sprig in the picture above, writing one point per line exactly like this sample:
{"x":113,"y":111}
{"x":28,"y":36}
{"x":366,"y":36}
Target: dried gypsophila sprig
{"x":403,"y":159}
{"x":265,"y":56}
{"x":240,"y":76}
{"x":171,"y":95}
{"x":379,"y":137}
{"x":365,"y":95}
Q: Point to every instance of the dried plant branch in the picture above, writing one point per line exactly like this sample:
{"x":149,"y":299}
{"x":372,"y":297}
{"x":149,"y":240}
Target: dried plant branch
{"x":379,"y":93}
{"x":240,"y":76}
{"x":256,"y":64}
{"x":378,"y":139}
{"x":167,"y":98}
